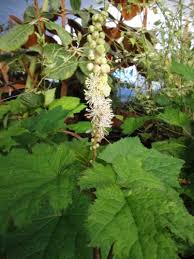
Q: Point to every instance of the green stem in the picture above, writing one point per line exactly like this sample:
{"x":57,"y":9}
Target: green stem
{"x":32,"y":68}
{"x":45,"y":6}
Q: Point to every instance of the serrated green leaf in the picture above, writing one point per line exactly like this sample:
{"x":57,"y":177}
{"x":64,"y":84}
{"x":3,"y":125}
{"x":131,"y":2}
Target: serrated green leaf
{"x":177,"y":118}
{"x":185,"y":71}
{"x":174,"y":147}
{"x":7,"y":136}
{"x":46,"y":122}
{"x":98,"y":176}
{"x":53,"y":236}
{"x":131,"y":124}
{"x":132,"y":153}
{"x":59,"y":63}
{"x":31,"y":100}
{"x":81,"y":148}
{"x":62,"y":33}
{"x":30,"y":180}
{"x":123,"y":147}
{"x":139,"y":210}
{"x":125,"y":221}
{"x":16,"y":37}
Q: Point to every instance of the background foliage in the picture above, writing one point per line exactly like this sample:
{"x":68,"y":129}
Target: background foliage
{"x":136,"y":200}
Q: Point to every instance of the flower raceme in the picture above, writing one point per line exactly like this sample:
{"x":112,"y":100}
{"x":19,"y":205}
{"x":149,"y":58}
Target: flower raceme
{"x":97,"y":88}
{"x":99,"y":111}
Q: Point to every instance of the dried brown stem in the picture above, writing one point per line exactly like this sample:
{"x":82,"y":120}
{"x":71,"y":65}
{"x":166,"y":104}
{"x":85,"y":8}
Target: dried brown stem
{"x":63,"y":13}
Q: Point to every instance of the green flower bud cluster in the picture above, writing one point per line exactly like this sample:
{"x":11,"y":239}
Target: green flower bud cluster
{"x":96,"y":39}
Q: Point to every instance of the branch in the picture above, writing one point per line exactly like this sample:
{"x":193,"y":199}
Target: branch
{"x":96,"y":253}
{"x":72,"y":134}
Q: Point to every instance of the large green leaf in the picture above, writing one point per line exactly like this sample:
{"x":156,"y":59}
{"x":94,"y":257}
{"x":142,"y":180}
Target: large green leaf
{"x":53,"y":236}
{"x":138,"y":209}
{"x":177,"y":118}
{"x":62,"y":33}
{"x":131,"y":124}
{"x":28,"y":181}
{"x":185,"y":71}
{"x":59,"y":63}
{"x":16,"y":37}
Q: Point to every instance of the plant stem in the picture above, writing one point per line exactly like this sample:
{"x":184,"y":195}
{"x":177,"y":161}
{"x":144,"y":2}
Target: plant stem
{"x":63,"y":13}
{"x":38,"y":16}
{"x":96,"y":253}
{"x":110,"y":254}
{"x":72,"y":134}
{"x":45,"y":6}
{"x":31,"y":71}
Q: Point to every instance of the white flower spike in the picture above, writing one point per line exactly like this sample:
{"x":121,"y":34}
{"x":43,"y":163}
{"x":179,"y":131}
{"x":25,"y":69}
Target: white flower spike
{"x":97,"y":88}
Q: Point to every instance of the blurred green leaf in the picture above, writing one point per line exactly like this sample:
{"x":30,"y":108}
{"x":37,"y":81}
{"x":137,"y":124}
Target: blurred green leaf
{"x":177,"y":118}
{"x":75,"y":4}
{"x":80,"y":127}
{"x":133,"y":123}
{"x":16,"y":37}
{"x":62,"y":33}
{"x":185,"y":71}
{"x":59,"y":63}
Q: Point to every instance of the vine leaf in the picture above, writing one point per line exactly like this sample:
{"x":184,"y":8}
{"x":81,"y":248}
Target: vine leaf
{"x":137,"y":208}
{"x":29,"y":180}
{"x":53,"y":236}
{"x":59,"y":63}
{"x":16,"y":37}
